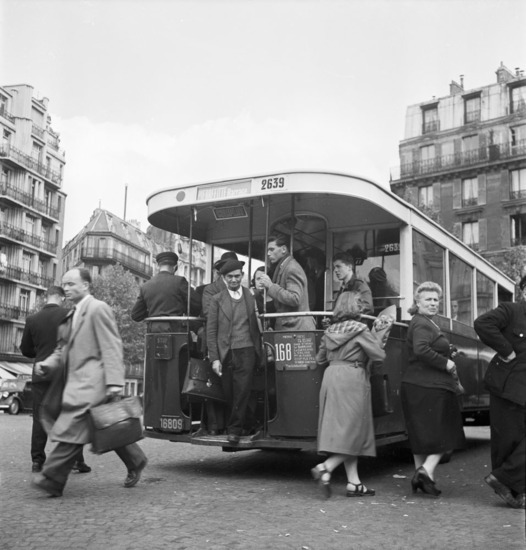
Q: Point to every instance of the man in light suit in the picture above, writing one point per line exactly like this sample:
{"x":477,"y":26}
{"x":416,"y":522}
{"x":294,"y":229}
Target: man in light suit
{"x":234,"y":344}
{"x":288,"y":286}
{"x":89,"y":357}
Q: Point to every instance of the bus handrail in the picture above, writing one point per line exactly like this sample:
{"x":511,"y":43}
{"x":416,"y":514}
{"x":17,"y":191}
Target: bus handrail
{"x":175,"y":318}
{"x":317,"y":314}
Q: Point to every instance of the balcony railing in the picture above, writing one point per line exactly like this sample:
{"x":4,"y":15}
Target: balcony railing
{"x":127,"y":261}
{"x":471,"y":201}
{"x":446,"y":163}
{"x":518,"y":194}
{"x":26,"y":198}
{"x":6,"y":114}
{"x":8,"y":311}
{"x":13,"y":272}
{"x":11,"y":153}
{"x":430,"y":126}
{"x":17,"y":234}
{"x":53,"y":142}
{"x":472,"y":116}
{"x":38,"y":131}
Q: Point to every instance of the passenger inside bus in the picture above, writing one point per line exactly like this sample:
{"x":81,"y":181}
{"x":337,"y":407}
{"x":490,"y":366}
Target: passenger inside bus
{"x":343,"y":264}
{"x":381,"y":290}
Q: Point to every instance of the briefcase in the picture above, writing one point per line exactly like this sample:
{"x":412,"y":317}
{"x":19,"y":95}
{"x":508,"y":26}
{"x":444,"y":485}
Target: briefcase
{"x":202,"y":382}
{"x":115,"y":424}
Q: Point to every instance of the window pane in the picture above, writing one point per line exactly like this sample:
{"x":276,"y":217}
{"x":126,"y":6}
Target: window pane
{"x":460,"y":276}
{"x":485,"y":290}
{"x":428,"y":262}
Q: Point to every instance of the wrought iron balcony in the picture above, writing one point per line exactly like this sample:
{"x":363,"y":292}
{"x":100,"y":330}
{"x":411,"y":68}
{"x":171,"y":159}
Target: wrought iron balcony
{"x":38,"y":131}
{"x":8,"y":311}
{"x":471,"y":201}
{"x":7,"y":115}
{"x":13,"y":272}
{"x":455,"y":161}
{"x":26,"y":198}
{"x":114,"y":256}
{"x":10,"y":231}
{"x":27,"y":161}
{"x":53,"y":142}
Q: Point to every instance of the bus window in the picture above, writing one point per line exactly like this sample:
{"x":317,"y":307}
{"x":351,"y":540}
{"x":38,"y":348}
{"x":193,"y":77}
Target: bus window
{"x":377,"y":261}
{"x":428,"y":263}
{"x":460,"y":277}
{"x":485,"y":292}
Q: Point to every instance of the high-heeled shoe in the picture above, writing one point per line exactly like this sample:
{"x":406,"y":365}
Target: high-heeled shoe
{"x":318,"y":473}
{"x":422,"y":481}
{"x":360,"y":490}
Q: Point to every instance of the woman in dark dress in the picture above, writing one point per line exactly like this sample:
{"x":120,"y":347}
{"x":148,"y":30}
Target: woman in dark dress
{"x":429,"y":399}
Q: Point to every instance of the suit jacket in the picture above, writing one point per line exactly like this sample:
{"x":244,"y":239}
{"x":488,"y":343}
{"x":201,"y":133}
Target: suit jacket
{"x":164,"y":295}
{"x":91,"y":358}
{"x":40,"y":334}
{"x":289,"y":292}
{"x":219,"y":324}
{"x":428,"y":353}
{"x":209,"y":292}
{"x":362,"y":288}
{"x":504,"y":330}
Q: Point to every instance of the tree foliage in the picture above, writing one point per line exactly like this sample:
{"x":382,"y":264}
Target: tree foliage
{"x":119,"y":289}
{"x":513,"y":263}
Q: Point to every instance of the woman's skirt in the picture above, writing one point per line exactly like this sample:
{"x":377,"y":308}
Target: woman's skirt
{"x":433,"y":419}
{"x":346,"y":417}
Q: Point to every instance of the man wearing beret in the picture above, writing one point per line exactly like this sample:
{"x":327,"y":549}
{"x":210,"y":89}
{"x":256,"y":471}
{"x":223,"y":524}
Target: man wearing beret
{"x":504,"y":330}
{"x":165,"y":294}
{"x":234,"y":344}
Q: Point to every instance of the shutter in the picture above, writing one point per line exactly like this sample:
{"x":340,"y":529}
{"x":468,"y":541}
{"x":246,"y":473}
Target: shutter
{"x":457,"y":193}
{"x":483,"y":234}
{"x":505,"y":185}
{"x":482,"y":188}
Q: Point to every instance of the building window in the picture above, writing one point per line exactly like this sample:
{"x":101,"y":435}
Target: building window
{"x":518,"y":99}
{"x":471,"y":109}
{"x":470,"y":148}
{"x":30,"y":224}
{"x":26,"y":261}
{"x":427,"y":158}
{"x":518,"y":229}
{"x":518,"y":184}
{"x":430,"y":120}
{"x":470,"y":234}
{"x":470,"y":192}
{"x":518,"y":138}
{"x":24,"y":299}
{"x":425,"y":196}
{"x":37,"y":151}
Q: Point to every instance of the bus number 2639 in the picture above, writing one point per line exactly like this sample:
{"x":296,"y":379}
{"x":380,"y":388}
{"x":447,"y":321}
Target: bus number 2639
{"x":272,"y":183}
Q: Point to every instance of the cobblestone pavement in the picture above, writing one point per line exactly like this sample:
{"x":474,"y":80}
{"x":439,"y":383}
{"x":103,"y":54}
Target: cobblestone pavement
{"x":195,"y":497}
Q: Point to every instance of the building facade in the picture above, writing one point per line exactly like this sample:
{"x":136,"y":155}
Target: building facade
{"x":31,"y":210}
{"x":463,"y":162}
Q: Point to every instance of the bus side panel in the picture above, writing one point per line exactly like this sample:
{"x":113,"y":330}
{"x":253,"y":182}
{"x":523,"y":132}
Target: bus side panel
{"x":394,"y":366}
{"x":163,"y":380}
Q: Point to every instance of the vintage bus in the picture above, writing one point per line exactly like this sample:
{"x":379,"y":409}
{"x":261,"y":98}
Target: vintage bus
{"x":322,"y":213}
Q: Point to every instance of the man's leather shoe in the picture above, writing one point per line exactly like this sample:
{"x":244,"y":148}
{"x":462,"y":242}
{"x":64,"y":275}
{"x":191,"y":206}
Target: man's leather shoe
{"x":502,"y":491}
{"x":81,"y":468}
{"x":233,"y":438}
{"x":134,"y":476}
{"x":43,"y":483}
{"x":36,"y":467}
{"x":201,"y":432}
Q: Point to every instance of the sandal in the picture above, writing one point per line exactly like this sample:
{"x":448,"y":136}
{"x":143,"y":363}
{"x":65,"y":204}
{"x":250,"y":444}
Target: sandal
{"x":318,"y":473}
{"x":360,"y":490}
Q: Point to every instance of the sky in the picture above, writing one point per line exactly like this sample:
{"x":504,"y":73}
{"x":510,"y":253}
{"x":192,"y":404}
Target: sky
{"x":155,"y":93}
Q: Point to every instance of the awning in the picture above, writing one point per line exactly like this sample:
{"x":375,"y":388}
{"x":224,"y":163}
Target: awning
{"x":17,"y":368}
{"x":4,"y":375}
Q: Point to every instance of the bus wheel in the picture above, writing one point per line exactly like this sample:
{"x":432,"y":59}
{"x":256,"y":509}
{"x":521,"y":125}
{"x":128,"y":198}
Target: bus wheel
{"x":14,"y":408}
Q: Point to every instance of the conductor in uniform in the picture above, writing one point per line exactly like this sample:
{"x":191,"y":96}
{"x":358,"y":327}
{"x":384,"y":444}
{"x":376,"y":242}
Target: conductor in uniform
{"x":165,"y":294}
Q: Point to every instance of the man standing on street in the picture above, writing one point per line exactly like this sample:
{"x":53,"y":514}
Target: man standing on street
{"x":234,"y":344}
{"x":504,"y":330}
{"x":38,"y":342}
{"x":89,"y":357}
{"x":165,"y":294}
{"x":288,"y":286}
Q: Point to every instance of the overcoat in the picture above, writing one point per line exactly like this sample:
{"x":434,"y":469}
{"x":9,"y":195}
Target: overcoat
{"x":290,"y":293}
{"x":89,"y":356}
{"x":219,"y":324}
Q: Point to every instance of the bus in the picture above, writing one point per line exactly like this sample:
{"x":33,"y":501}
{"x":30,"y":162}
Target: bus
{"x":395,"y":248}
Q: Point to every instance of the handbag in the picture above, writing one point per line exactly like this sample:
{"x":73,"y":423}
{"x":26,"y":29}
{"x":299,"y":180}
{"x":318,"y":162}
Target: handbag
{"x":497,"y":375}
{"x":202,"y":382}
{"x":115,"y":424}
{"x":380,"y":395}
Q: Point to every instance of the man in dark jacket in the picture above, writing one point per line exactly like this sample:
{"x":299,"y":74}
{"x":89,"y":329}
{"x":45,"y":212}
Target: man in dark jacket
{"x":165,"y":294}
{"x":504,"y":330}
{"x":38,"y":342}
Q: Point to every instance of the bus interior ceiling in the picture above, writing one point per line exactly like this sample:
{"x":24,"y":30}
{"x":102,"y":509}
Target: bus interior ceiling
{"x":312,"y":213}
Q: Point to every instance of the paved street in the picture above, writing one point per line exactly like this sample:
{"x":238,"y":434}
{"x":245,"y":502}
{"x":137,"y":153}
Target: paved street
{"x":194,"y":497}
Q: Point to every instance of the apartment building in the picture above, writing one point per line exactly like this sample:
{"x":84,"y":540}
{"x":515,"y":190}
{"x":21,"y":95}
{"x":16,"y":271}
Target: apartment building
{"x":463,"y":161}
{"x":31,"y":211}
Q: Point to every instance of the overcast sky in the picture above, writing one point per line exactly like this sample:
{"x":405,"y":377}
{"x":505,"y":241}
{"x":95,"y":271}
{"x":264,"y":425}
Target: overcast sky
{"x":151,"y":93}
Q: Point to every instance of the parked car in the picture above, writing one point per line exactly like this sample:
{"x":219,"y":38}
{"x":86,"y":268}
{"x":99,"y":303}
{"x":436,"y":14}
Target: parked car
{"x":16,"y":395}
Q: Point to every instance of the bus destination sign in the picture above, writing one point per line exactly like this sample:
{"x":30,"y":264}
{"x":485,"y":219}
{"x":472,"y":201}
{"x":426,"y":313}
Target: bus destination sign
{"x":295,"y":351}
{"x":224,"y":190}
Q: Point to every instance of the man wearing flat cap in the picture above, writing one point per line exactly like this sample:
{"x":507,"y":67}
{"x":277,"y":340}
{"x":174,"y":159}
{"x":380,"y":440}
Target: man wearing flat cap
{"x":504,"y":330}
{"x":234,"y":344}
{"x":165,"y":294}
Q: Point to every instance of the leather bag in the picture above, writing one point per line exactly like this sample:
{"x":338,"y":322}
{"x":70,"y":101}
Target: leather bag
{"x":497,"y":375}
{"x":202,"y":382}
{"x":115,"y":424}
{"x":380,"y":395}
